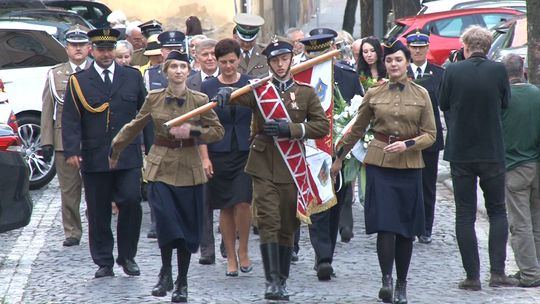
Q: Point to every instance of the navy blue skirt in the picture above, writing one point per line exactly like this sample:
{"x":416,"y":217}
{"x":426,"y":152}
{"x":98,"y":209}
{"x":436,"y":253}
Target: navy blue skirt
{"x":178,"y":212}
{"x":394,"y":201}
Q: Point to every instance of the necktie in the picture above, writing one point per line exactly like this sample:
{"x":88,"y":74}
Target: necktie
{"x":396,"y":85}
{"x":78,"y":69}
{"x":418,"y":73}
{"x":107,"y":80}
{"x":246,"y":57}
{"x":208,"y":77}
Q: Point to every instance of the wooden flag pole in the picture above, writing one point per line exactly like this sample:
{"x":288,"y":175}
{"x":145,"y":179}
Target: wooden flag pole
{"x":247,"y":88}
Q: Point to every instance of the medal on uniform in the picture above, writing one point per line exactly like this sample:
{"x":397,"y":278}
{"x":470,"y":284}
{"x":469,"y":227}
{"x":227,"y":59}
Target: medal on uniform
{"x":294,"y":105}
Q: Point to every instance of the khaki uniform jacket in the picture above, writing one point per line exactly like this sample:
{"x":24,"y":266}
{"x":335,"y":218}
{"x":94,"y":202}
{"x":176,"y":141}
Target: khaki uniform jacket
{"x":138,"y":58}
{"x":180,"y":166}
{"x":406,"y":114}
{"x":52,"y":107}
{"x":264,"y":159}
{"x":257,"y":67}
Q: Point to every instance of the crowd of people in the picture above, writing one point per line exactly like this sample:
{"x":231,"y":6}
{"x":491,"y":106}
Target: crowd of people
{"x":104,"y":111}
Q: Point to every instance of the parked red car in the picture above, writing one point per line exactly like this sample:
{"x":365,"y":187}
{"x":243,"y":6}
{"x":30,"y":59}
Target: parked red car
{"x":446,"y":27}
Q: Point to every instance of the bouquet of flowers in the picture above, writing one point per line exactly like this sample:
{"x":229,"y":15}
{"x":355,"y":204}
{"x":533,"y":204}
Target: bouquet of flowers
{"x":368,"y":82}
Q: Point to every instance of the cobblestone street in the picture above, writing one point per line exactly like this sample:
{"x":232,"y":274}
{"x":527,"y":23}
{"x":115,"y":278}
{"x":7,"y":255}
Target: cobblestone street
{"x":36,"y":268}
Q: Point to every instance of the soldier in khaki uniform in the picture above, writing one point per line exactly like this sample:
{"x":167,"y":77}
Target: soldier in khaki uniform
{"x":252,"y":61}
{"x":77,"y":49}
{"x":402,"y":120}
{"x":174,"y":169}
{"x":274,"y":190}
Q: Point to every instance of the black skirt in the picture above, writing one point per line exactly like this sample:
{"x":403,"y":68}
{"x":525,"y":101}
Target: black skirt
{"x":394,"y":201}
{"x":230,"y":185}
{"x":178,"y":212}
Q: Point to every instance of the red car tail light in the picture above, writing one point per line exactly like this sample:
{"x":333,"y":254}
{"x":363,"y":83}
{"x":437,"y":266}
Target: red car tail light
{"x":12,"y":122}
{"x":10,"y":143}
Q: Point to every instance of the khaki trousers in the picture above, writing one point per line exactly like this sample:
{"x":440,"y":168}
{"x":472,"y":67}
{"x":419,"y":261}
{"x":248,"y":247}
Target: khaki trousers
{"x":523,"y":204}
{"x":70,"y":193}
{"x":275,"y":206}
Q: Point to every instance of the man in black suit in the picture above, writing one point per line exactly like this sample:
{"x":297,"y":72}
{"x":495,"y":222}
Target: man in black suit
{"x":204,"y":52}
{"x":475,"y":91}
{"x":429,"y":76}
{"x":99,"y":101}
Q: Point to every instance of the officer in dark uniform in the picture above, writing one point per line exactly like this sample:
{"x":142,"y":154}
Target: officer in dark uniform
{"x":324,"y":228}
{"x":429,"y":76}
{"x":169,"y":41}
{"x":98,"y":102}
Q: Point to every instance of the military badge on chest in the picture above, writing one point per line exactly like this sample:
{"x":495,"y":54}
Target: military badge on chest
{"x":294,"y":105}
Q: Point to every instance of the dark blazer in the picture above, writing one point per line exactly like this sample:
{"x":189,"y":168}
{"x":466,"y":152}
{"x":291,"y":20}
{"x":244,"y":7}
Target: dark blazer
{"x":474,"y":91}
{"x":88,"y":133}
{"x":347,"y":80}
{"x":194,"y":81}
{"x":235,"y":119}
{"x":431,"y":82}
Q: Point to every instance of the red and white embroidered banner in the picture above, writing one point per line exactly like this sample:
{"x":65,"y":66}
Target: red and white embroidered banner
{"x":293,"y":152}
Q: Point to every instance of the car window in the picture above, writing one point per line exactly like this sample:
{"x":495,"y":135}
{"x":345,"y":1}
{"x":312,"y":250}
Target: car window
{"x":450,"y":27}
{"x":20,"y":50}
{"x":396,"y":31}
{"x":490,"y":20}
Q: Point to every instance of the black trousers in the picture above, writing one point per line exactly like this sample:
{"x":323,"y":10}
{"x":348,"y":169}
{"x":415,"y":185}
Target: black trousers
{"x":323,"y":233}
{"x":207,"y":247}
{"x":464,"y":178}
{"x":101,"y":189}
{"x":345,"y":197}
{"x":429,"y":185}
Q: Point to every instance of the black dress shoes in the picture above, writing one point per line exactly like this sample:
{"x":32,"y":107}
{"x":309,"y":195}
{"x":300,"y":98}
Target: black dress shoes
{"x":324,"y":271}
{"x":294,"y":256}
{"x":151,"y":234}
{"x":71,"y":241}
{"x":346,"y":235}
{"x":129,"y":266}
{"x":104,"y":271}
{"x":207,"y":260}
{"x":424,"y":239}
{"x":164,"y":283}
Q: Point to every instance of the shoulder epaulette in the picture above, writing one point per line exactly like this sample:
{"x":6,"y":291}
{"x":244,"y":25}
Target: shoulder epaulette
{"x":57,"y":65}
{"x":197,"y":93}
{"x":155,"y":91}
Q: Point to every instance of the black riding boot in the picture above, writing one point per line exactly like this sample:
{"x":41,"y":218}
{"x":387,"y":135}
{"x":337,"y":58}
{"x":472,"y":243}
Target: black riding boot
{"x":270,"y":257}
{"x":164,"y":283}
{"x":385,"y":293}
{"x":400,"y":296}
{"x":285,"y":254}
{"x":180,"y":292}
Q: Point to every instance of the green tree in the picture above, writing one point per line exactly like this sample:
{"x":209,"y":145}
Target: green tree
{"x":533,"y":38}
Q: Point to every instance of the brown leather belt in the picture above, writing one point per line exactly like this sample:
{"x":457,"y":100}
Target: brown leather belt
{"x":390,"y":138}
{"x":174,"y":144}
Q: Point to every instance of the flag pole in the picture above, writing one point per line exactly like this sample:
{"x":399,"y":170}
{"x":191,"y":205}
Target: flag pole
{"x":247,"y":88}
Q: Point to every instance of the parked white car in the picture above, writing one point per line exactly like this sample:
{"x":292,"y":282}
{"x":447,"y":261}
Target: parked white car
{"x":28,"y":52}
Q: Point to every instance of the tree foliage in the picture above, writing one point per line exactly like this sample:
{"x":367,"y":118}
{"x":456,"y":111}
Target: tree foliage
{"x":533,"y":38}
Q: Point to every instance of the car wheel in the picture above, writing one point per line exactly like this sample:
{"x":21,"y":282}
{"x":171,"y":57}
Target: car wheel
{"x":41,"y":172}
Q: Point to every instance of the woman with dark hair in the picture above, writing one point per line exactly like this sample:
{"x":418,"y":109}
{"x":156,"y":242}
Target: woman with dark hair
{"x":370,"y":62}
{"x":403,"y":124}
{"x":174,"y":170}
{"x":193,"y":26}
{"x":229,"y":157}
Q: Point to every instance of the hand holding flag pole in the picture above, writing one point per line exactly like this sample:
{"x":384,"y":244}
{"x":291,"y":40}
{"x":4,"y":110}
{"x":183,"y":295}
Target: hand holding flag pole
{"x":247,"y":88}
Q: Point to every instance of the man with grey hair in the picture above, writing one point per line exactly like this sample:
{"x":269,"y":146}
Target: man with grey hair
{"x":295,"y":35}
{"x":204,"y":55}
{"x":138,"y":41}
{"x":521,"y":155}
{"x":474,"y":91}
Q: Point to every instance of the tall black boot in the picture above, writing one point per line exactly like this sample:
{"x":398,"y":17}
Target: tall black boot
{"x":270,"y":257}
{"x":285,"y":254}
{"x":180,"y":292}
{"x":385,"y":293}
{"x":164,"y":283}
{"x":400,"y":295}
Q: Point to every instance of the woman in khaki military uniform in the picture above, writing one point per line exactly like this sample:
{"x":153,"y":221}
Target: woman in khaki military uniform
{"x":402,"y":119}
{"x":174,"y":169}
